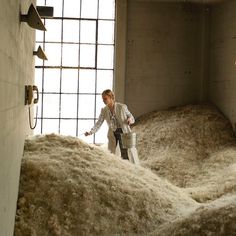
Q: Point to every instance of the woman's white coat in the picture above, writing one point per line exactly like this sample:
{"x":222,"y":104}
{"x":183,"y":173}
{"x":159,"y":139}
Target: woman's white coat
{"x":121,"y":116}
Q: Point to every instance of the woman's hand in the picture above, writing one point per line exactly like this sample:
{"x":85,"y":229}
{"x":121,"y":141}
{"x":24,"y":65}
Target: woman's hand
{"x":87,"y":133}
{"x":129,"y":121}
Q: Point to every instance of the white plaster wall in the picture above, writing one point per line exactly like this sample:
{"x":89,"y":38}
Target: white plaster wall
{"x":16,"y":70}
{"x":164,"y":55}
{"x":222,"y":83}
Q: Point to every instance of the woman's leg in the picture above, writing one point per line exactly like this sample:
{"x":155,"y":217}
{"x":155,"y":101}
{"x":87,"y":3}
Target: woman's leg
{"x":123,"y":151}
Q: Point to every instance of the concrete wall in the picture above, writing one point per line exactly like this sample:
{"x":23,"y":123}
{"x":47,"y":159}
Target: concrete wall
{"x":222,"y":83}
{"x":165,"y":51}
{"x":16,"y":70}
{"x":120,"y":50}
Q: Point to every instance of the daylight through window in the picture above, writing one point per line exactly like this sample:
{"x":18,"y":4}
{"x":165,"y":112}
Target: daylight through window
{"x":79,"y":44}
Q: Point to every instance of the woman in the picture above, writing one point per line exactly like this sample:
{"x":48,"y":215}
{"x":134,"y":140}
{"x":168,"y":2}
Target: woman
{"x":119,"y":120}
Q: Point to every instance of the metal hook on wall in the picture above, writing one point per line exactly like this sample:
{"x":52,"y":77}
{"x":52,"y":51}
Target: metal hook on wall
{"x":29,"y":99}
{"x":35,"y":124}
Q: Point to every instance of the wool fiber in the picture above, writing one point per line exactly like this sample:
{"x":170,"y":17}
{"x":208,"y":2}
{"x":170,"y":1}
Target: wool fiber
{"x":185,"y":183}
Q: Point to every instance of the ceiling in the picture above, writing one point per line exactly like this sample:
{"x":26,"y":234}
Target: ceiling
{"x":190,"y":1}
{"x":201,"y":1}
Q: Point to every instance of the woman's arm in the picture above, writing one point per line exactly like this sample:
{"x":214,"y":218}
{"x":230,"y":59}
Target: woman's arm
{"x":130,"y":118}
{"x":98,"y":124}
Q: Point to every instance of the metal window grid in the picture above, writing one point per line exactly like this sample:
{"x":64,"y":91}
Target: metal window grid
{"x":61,"y":67}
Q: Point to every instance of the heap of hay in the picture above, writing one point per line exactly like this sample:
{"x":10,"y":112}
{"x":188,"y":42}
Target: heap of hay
{"x":187,"y":178}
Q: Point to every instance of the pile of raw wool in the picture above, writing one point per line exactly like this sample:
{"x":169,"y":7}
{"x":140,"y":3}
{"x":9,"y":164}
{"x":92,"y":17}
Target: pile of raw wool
{"x":185,"y":185}
{"x":216,"y":218}
{"x":194,"y":148}
{"x":191,"y":146}
{"x":68,"y":187}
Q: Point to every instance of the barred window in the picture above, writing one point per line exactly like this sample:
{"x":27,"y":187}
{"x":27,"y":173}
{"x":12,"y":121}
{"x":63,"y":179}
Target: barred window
{"x":79,"y":44}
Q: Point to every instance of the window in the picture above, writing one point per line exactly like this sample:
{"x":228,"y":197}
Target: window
{"x":79,"y":44}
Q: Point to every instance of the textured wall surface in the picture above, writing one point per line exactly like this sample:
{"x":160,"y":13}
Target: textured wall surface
{"x":165,"y":43}
{"x":16,"y":70}
{"x":222,"y":83}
